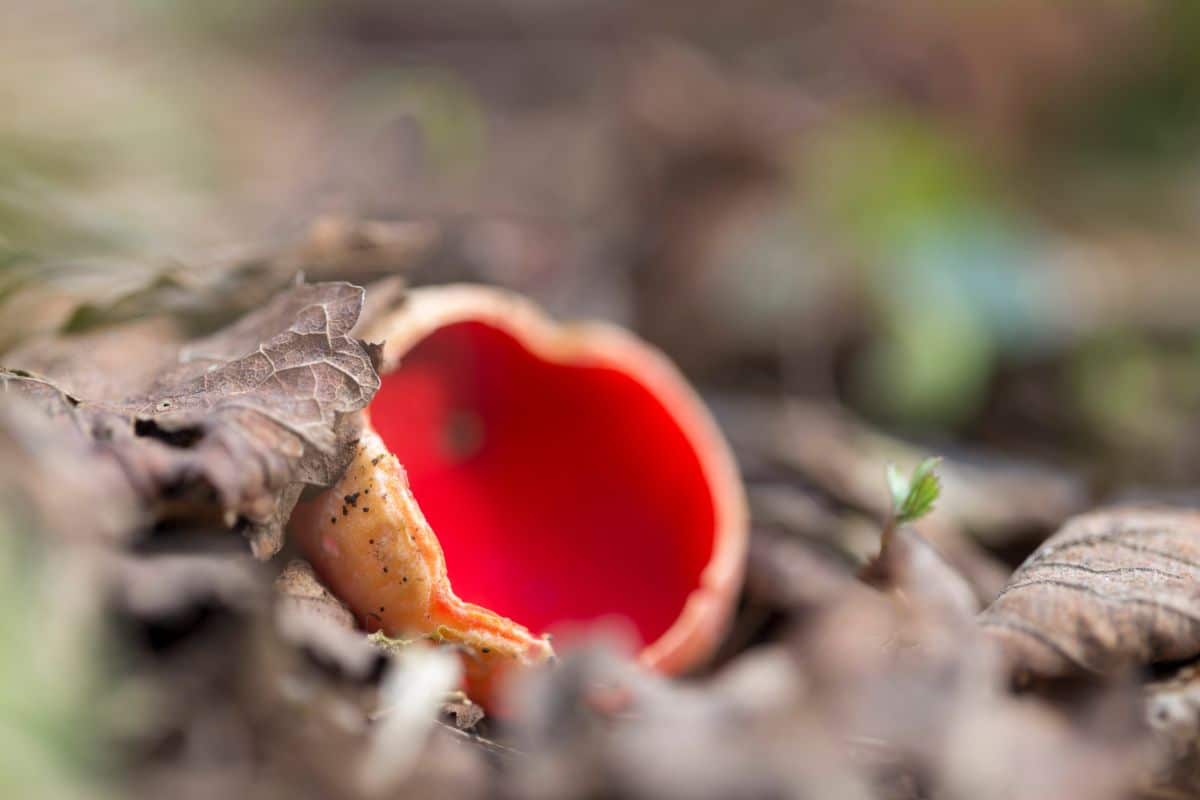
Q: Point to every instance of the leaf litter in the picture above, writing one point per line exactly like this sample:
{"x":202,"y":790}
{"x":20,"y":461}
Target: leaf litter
{"x":1113,"y":589}
{"x":255,"y":682}
{"x":237,"y":422}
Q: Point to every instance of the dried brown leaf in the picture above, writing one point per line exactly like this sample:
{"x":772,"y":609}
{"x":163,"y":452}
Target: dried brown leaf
{"x":464,"y":714}
{"x":1173,"y":714}
{"x":309,"y":616}
{"x":301,"y":591}
{"x":106,"y":365}
{"x":911,"y":568}
{"x":919,"y":695}
{"x":239,"y":421}
{"x":1113,"y":589}
{"x":47,"y":475}
{"x":163,"y":585}
{"x":786,"y":572}
{"x":208,"y":292}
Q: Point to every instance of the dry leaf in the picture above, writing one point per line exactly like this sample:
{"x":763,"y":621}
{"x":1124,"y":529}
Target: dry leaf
{"x":1112,"y":589}
{"x":106,"y":365}
{"x":920,"y":699}
{"x":164,"y":585}
{"x":1173,"y":714}
{"x":787,"y":573}
{"x":301,"y":592}
{"x":308,"y":616}
{"x":912,"y":569}
{"x":464,"y":713}
{"x":748,"y":734}
{"x":986,"y":499}
{"x":47,"y":474}
{"x":210,"y":291}
{"x":239,"y":421}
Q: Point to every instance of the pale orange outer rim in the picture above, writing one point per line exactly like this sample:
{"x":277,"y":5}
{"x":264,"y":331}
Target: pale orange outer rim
{"x":694,"y":635}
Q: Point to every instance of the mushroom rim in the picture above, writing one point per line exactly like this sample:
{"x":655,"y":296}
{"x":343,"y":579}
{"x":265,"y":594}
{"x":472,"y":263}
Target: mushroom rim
{"x":694,"y":634}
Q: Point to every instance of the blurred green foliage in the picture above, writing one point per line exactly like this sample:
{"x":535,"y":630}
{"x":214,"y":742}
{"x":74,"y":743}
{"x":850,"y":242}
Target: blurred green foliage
{"x":1146,"y":114}
{"x":1135,"y":394}
{"x":50,"y":674}
{"x":36,"y":212}
{"x":944,"y":259}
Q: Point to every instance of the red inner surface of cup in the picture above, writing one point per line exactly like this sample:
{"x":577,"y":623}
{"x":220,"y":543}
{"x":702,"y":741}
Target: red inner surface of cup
{"x":561,"y":493}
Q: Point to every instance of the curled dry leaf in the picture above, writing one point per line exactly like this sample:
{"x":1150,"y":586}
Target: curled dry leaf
{"x":239,"y":421}
{"x":1173,"y":714}
{"x":309,"y":616}
{"x":1112,"y":589}
{"x":106,"y":365}
{"x":912,"y":569}
{"x":921,"y":701}
{"x":208,"y":291}
{"x":462,"y":712}
{"x":46,"y":477}
{"x":165,"y":585}
{"x":301,"y":592}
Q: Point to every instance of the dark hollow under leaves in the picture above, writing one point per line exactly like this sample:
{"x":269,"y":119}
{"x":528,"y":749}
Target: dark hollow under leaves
{"x":246,"y":417}
{"x":1113,"y":589}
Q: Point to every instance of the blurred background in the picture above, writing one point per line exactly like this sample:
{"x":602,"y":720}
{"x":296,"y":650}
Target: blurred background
{"x":965,"y":219}
{"x":954,"y":226}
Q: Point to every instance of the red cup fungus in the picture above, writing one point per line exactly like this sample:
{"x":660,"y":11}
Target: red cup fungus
{"x":553,"y":475}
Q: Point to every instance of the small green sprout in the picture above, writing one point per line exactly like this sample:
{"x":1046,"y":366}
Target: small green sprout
{"x":913,"y":497}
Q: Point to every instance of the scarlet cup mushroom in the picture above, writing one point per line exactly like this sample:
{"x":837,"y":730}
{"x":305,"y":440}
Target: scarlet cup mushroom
{"x":554,"y":475}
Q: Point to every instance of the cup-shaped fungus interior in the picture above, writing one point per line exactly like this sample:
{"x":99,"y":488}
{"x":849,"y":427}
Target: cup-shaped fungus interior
{"x":560,"y":492}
